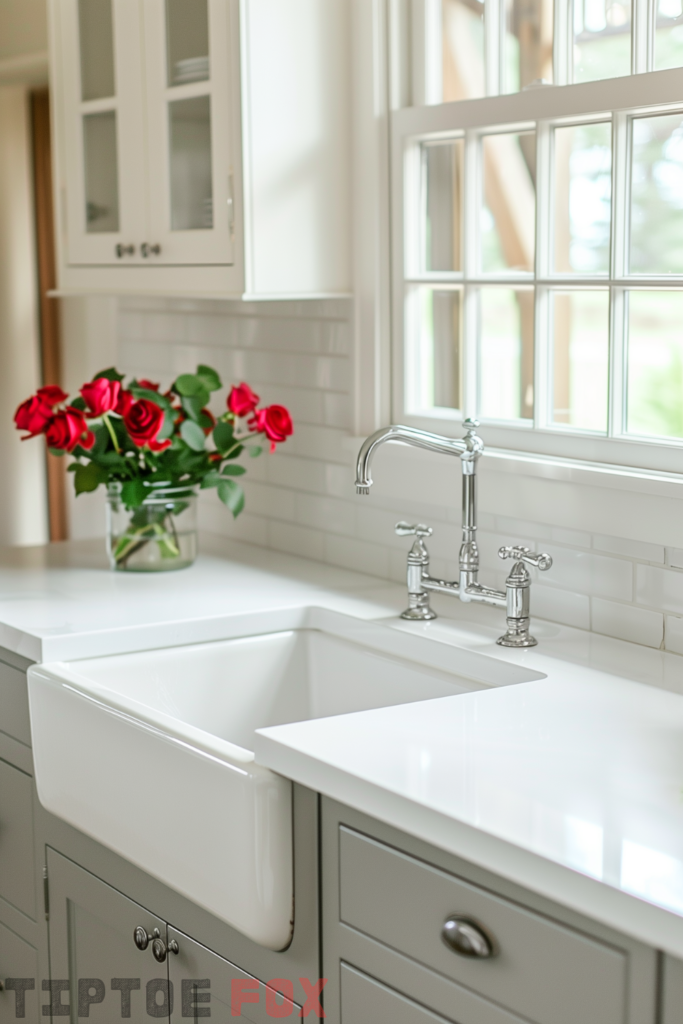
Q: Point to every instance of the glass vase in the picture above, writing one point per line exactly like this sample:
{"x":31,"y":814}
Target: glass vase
{"x":157,"y":536}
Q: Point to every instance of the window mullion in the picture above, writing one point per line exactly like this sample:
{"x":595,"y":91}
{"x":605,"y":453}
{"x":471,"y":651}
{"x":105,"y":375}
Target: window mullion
{"x":493,"y":25}
{"x":562,"y":39}
{"x":620,"y":195}
{"x":616,"y":395}
{"x":642,"y":35}
{"x":542,"y":332}
{"x":472,"y":200}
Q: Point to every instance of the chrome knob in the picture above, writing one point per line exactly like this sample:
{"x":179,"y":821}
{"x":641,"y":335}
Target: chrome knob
{"x":160,"y":950}
{"x":417,"y":530}
{"x":521,"y":554}
{"x":142,"y":938}
{"x":150,"y":250}
{"x":2,"y":986}
{"x":466,"y":938}
{"x":124,"y":250}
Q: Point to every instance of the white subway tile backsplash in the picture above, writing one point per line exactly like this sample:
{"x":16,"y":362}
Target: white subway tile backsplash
{"x":560,"y":606}
{"x":673,"y":634}
{"x":595,"y":575}
{"x":357,"y":554}
{"x":328,"y":514}
{"x":641,"y":550}
{"x":575,"y":538}
{"x":625,"y":622}
{"x":674,"y":558}
{"x":659,"y":588}
{"x":297,"y":540}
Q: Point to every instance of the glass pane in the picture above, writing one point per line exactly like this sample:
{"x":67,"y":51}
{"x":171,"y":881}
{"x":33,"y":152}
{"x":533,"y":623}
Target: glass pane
{"x":463,"y":49}
{"x":580,"y":359}
{"x":669,"y":34}
{"x":187,"y":45}
{"x":101,"y":172}
{"x":433,"y":375}
{"x":528,"y":50}
{"x":442,"y":170}
{"x":96,"y":35}
{"x":655,"y":363}
{"x":583,"y":198}
{"x":657,"y":195}
{"x":506,"y":354}
{"x":602,"y":39}
{"x":191,"y":182}
{"x":508,"y":215}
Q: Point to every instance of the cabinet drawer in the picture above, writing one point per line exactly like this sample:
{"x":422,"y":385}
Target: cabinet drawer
{"x":547,"y":972}
{"x":366,"y":1001}
{"x":17,"y":960}
{"x":16,"y":839}
{"x":14,"y":717}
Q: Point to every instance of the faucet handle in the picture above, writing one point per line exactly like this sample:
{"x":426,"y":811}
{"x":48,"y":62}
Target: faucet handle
{"x":416,"y":530}
{"x":522,"y":554}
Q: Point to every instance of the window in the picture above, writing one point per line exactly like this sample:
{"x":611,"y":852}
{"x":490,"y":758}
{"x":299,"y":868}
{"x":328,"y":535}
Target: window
{"x":538,"y":242}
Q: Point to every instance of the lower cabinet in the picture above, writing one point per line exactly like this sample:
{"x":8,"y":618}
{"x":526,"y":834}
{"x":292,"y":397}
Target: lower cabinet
{"x":112,"y":958}
{"x":18,"y":978}
{"x":412,"y":934}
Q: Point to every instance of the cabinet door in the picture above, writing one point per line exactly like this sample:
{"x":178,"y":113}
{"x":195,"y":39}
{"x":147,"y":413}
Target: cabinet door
{"x":189,"y":79}
{"x":17,"y":878}
{"x":205,"y":984}
{"x":19,"y":985}
{"x":103,"y":118}
{"x":96,"y":966}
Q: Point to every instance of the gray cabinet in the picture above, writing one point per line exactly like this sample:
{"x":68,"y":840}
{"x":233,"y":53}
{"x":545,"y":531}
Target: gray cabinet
{"x":386,"y":898}
{"x":19,"y":983}
{"x":672,"y":991}
{"x":17,"y":866}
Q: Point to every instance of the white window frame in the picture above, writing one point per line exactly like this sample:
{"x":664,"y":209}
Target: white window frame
{"x":618,"y":100}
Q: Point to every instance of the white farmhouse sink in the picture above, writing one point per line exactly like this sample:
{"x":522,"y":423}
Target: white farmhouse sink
{"x":151,"y":753}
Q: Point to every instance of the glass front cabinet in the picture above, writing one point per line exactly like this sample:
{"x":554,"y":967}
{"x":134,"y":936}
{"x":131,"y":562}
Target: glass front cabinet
{"x":201,"y":146}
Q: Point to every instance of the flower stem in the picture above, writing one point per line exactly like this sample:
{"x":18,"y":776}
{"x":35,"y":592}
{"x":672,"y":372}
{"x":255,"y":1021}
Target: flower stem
{"x":109,"y":427}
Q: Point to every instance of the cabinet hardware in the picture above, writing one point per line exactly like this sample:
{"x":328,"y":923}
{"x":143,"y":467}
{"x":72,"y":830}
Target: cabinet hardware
{"x":124,"y":250}
{"x":2,"y":986}
{"x":150,"y":250}
{"x":466,"y":938}
{"x":46,"y":893}
{"x":231,"y":206}
{"x":142,"y":938}
{"x":160,"y":950}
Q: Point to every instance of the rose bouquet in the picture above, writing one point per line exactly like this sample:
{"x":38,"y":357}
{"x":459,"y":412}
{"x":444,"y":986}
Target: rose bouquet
{"x":153,"y":450}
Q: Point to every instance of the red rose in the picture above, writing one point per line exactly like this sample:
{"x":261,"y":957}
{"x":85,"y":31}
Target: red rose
{"x":159,"y":446}
{"x":69,"y":429}
{"x":274,"y":421}
{"x":52,"y":394}
{"x":124,"y":402}
{"x":242,"y":400}
{"x":143,"y":421}
{"x":148,"y":385}
{"x":101,"y":395}
{"x":33,"y":415}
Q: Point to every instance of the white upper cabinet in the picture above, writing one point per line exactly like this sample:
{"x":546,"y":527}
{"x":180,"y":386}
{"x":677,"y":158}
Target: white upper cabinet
{"x":202,"y":146}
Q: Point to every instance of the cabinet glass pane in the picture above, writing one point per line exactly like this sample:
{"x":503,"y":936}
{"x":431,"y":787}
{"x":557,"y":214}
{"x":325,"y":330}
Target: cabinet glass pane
{"x":96,"y":37}
{"x":442,"y":184}
{"x":528,"y":52}
{"x":657,"y":195}
{"x":583,"y":198}
{"x":580,"y":358}
{"x":463,"y":49}
{"x":506,"y":353}
{"x":101,"y":173}
{"x":655,"y":363}
{"x":602,"y":39}
{"x":508,"y":213}
{"x":190,"y":161}
{"x":434,"y":379}
{"x":669,"y":34}
{"x":187,"y":41}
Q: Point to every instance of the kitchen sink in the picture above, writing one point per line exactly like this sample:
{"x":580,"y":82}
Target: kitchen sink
{"x":151,"y":753}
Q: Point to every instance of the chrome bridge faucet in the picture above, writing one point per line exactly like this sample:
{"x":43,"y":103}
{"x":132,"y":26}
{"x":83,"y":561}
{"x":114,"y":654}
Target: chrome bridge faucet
{"x":515,"y":599}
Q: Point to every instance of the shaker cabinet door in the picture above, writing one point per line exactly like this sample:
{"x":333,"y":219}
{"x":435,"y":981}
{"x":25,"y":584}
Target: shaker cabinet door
{"x":96,"y":966}
{"x":189,"y":76}
{"x":19,"y":985}
{"x":103,"y":129}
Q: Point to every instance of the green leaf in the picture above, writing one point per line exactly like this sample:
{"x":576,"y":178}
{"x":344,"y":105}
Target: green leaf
{"x":88,"y":477}
{"x":193,"y":435}
{"x":209,"y":378}
{"x":168,"y":427}
{"x":56,"y":451}
{"x":205,"y":421}
{"x":190,"y":386}
{"x":256,"y":450}
{"x":193,"y":406}
{"x":231,"y":470}
{"x":134,"y":493}
{"x":151,"y":396}
{"x":111,"y":374}
{"x":78,"y":403}
{"x":232,"y":495}
{"x":223,"y":436}
{"x":212,"y":479}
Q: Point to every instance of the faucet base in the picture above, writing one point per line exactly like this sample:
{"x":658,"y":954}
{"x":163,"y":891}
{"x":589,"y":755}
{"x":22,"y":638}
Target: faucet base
{"x":420,"y":614}
{"x":514,"y":640}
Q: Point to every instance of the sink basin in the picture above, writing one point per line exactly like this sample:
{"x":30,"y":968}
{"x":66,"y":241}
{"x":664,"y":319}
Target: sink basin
{"x":152,"y":753}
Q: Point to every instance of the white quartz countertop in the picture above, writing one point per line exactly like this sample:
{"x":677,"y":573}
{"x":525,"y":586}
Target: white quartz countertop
{"x":571,"y":785}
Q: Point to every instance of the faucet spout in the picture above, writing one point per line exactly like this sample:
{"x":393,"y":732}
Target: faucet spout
{"x":416,"y":438}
